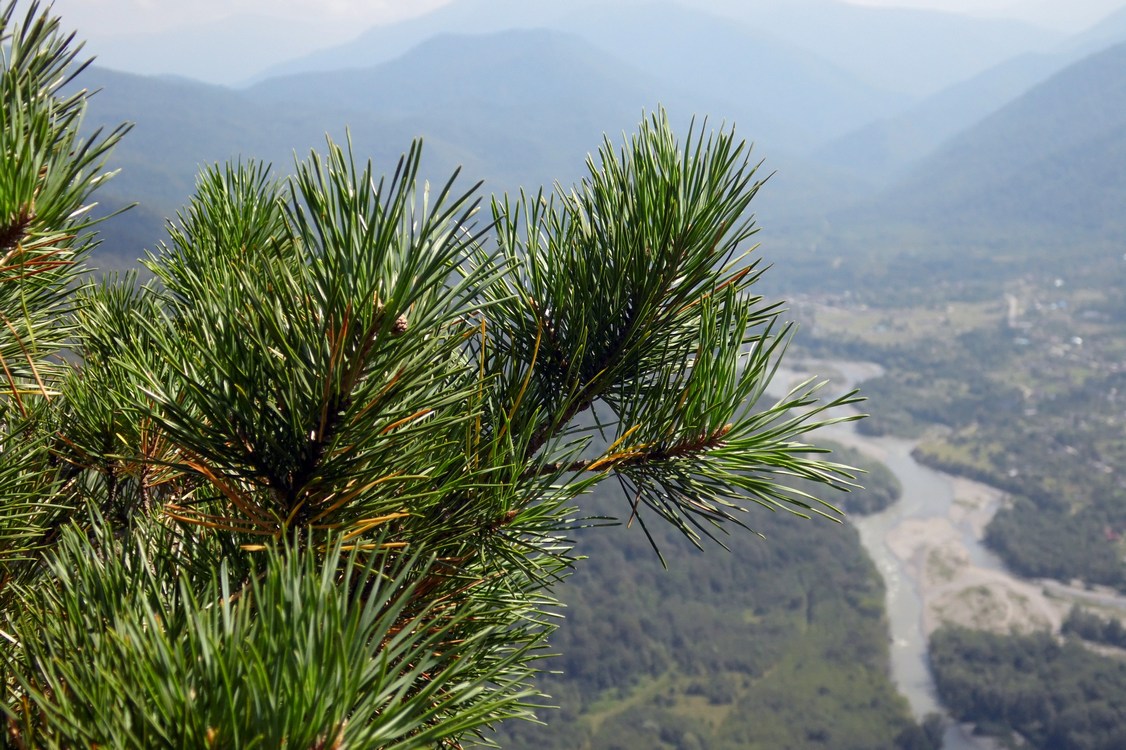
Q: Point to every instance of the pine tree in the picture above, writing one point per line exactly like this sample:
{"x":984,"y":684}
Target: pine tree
{"x":311,"y":485}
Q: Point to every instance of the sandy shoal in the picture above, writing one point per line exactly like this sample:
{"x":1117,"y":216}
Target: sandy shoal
{"x":952,"y":587}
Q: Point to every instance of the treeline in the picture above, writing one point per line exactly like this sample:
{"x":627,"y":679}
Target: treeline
{"x":1089,"y":626}
{"x":1052,"y":694}
{"x":1040,"y":543}
{"x":933,"y":380}
{"x":780,"y":643}
{"x":881,"y":487}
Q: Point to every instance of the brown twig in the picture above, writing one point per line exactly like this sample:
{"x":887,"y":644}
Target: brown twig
{"x":634,"y":456}
{"x":13,"y":232}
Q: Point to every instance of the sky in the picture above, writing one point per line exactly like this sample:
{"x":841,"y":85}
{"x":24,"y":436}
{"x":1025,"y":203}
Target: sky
{"x":112,"y":17}
{"x":1065,"y":15}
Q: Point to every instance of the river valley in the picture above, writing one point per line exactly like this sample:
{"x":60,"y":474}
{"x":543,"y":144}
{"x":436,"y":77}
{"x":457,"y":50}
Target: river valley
{"x":928,"y":548}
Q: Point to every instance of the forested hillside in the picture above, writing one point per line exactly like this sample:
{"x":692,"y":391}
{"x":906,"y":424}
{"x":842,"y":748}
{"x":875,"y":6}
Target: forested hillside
{"x":780,"y":642}
{"x":1048,"y":693}
{"x":1048,"y":162}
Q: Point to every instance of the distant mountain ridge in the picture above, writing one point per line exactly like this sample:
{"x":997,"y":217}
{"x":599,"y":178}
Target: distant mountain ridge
{"x":383,"y":43}
{"x":909,"y":52}
{"x":742,"y":65}
{"x":789,"y":99}
{"x":885,"y":147}
{"x":1051,"y":159}
{"x":912,"y":51}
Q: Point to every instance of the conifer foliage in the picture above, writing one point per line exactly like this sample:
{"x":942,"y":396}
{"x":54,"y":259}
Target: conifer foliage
{"x":310,"y":485}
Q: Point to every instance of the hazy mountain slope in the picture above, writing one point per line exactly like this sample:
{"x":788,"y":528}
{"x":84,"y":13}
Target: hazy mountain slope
{"x":179,"y":127}
{"x":1051,"y":159}
{"x":883,"y":148}
{"x":1107,"y":32}
{"x":917,"y":52}
{"x":383,"y":43}
{"x":746,"y":66}
{"x":533,"y":103}
{"x":463,"y":70}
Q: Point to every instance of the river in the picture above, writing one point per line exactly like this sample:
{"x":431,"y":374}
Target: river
{"x":928,"y":548}
{"x":927,"y":495}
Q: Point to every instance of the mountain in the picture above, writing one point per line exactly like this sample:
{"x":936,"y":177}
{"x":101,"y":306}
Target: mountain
{"x":787,"y":98}
{"x":182,"y":126}
{"x":884,"y":148}
{"x":385,"y":42}
{"x":530,"y":102}
{"x":742,"y":66}
{"x":1048,"y":161}
{"x":909,"y":51}
{"x":533,"y":103}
